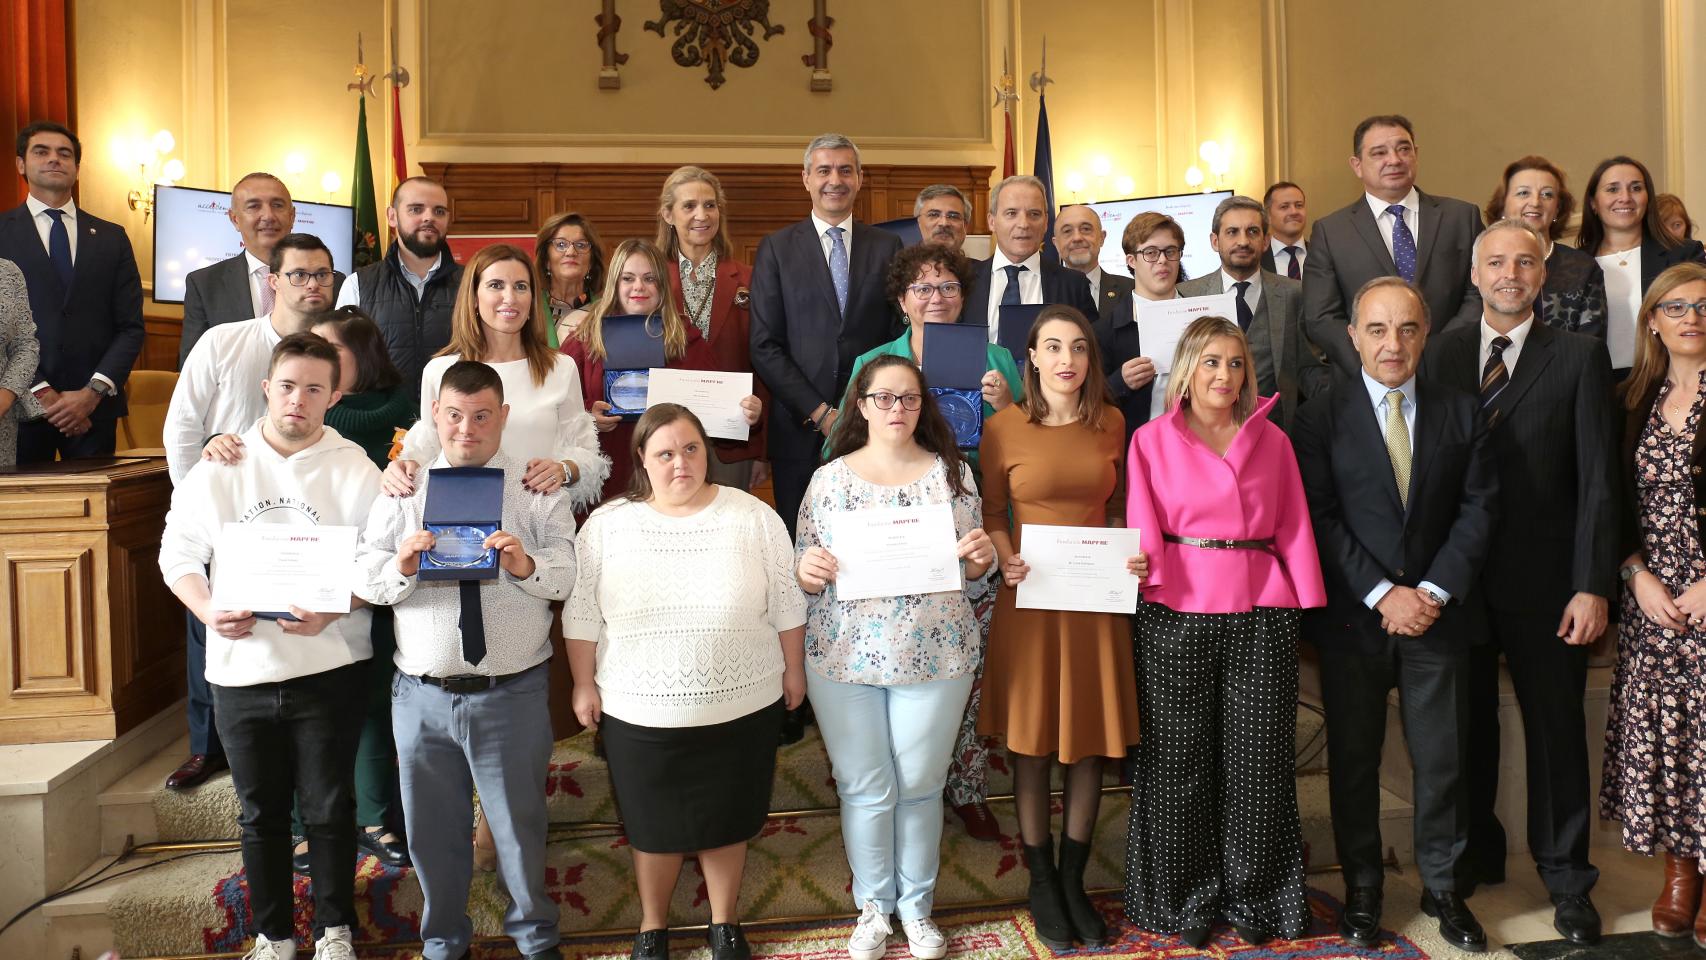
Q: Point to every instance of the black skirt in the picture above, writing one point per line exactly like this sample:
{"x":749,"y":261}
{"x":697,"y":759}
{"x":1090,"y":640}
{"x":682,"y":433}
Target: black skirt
{"x":685,"y":789}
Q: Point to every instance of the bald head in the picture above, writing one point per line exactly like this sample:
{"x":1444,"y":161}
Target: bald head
{"x":1078,"y":237}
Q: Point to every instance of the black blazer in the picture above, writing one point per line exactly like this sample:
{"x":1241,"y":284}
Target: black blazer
{"x":1118,"y":340}
{"x":1553,"y":438}
{"x":1060,"y":285}
{"x":1106,"y":298}
{"x":96,"y":326}
{"x":1656,"y":258}
{"x":1268,"y":257}
{"x":217,"y":293}
{"x":1363,"y":532}
{"x":1634,"y":423}
{"x":802,"y":346}
{"x":1345,"y":252}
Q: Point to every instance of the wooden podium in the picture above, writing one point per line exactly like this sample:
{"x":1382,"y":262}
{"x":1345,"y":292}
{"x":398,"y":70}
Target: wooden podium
{"x":93,"y":640}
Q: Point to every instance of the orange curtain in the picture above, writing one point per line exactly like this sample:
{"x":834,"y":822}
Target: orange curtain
{"x":35,"y":76}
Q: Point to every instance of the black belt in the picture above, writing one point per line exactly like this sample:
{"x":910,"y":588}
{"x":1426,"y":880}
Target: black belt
{"x":1266,"y":545}
{"x":470,"y":683}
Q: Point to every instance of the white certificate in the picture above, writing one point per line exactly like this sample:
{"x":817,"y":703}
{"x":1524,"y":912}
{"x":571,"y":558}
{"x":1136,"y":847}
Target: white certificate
{"x":894,"y":551}
{"x":271,"y":567}
{"x":1161,"y":323}
{"x":1078,"y":568}
{"x":713,"y":395}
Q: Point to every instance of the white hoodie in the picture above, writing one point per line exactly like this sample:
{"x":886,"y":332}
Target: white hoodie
{"x":332,"y":483}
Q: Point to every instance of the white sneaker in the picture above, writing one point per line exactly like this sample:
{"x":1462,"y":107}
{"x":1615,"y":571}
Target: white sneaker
{"x":335,"y":944}
{"x":265,"y":949}
{"x":924,"y":939}
{"x":870,"y":939}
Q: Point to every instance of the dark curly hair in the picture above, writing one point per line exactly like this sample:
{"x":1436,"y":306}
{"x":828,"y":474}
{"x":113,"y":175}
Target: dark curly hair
{"x":909,"y":263}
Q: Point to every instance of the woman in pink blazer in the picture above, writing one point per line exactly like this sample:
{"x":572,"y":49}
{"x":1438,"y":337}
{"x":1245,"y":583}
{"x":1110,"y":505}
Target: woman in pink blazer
{"x":1213,"y":487}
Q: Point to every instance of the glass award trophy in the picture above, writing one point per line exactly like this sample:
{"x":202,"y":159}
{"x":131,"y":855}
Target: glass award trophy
{"x":464,"y":506}
{"x":632,"y":346}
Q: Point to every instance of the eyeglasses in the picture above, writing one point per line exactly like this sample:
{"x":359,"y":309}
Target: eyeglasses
{"x":300,"y":278}
{"x":1152,"y":254}
{"x":1677,"y":309}
{"x":885,"y":400}
{"x":924,"y":291}
{"x":563,"y":246}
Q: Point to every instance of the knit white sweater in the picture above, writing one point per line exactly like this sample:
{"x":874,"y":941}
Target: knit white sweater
{"x":686,"y":610}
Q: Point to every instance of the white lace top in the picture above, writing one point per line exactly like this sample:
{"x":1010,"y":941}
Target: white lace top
{"x":686,"y":610}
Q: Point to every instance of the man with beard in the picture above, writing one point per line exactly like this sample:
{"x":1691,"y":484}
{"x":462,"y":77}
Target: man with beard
{"x":1078,"y":238}
{"x":410,"y":293}
{"x":217,"y":393}
{"x":942,"y":212}
{"x":1269,"y":307}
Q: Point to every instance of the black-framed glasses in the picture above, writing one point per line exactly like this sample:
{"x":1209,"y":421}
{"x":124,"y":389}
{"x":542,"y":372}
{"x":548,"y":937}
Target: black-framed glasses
{"x":885,"y":400}
{"x":1677,"y":309}
{"x":949,"y":290}
{"x":1152,"y":254}
{"x":563,"y":246}
{"x":300,"y":278}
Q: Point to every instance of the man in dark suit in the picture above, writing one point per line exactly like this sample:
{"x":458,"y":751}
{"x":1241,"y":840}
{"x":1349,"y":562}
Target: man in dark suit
{"x":1549,"y":574}
{"x":1078,"y":238}
{"x":1288,"y":219}
{"x":86,"y":296}
{"x":1017,"y":272}
{"x":943,"y":213}
{"x":817,"y":303}
{"x":1270,"y":307}
{"x":1392,"y":230}
{"x":1401,"y":486}
{"x":236,"y":288}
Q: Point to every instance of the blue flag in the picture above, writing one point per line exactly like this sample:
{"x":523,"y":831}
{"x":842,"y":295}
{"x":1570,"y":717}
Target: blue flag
{"x":1043,"y":169}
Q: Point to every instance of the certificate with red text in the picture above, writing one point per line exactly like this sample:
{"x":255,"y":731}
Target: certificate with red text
{"x":1078,"y":568}
{"x":894,"y":551}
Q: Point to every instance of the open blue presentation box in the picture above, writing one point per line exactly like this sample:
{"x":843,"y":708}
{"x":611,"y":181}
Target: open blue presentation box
{"x":1013,"y":329}
{"x":464,"y":506}
{"x":630,"y":351}
{"x":956,"y":356}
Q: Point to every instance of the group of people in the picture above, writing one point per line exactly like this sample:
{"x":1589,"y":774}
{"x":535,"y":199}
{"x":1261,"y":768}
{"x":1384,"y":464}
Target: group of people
{"x":1352,"y":458}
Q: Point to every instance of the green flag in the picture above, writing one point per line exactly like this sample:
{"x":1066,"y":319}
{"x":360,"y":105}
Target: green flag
{"x":361,"y":197}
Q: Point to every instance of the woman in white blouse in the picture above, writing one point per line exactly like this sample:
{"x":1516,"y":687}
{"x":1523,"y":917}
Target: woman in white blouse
{"x":889,"y":676}
{"x":686,"y":643}
{"x":496,"y":321}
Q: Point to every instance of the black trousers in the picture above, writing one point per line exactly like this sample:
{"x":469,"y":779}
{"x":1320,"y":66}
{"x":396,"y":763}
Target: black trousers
{"x":1550,"y":678}
{"x":39,"y":441}
{"x":198,"y":706}
{"x":788,"y":481}
{"x":1433,"y":696}
{"x":1214,"y":823}
{"x":296,"y":740}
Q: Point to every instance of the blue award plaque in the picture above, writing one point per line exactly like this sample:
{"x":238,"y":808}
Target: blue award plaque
{"x":956,"y":356}
{"x":963,"y":409}
{"x":464,"y":506}
{"x":632,"y":346}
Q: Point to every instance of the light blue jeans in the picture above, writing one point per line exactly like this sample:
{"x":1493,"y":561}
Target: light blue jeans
{"x":889,"y":749}
{"x":498,"y":740}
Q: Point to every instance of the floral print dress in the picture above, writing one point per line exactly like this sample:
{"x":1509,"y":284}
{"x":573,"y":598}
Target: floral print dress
{"x":1655,"y":741}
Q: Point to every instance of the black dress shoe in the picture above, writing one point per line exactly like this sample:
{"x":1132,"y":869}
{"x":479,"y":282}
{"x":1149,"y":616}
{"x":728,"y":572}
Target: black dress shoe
{"x":196,"y":770}
{"x":1457,"y":925}
{"x":651,"y":945}
{"x":727,"y":942}
{"x":392,"y":854}
{"x":549,"y":953}
{"x":1194,"y":936}
{"x":1251,"y":934}
{"x":1359,"y":924}
{"x":1575,"y":919}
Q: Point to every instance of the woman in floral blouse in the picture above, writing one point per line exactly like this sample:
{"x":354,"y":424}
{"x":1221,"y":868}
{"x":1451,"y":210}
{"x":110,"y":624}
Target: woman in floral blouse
{"x":889,"y":676}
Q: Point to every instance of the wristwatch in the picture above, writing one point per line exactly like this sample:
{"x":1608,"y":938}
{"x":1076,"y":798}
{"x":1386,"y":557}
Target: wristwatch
{"x":1627,"y":573}
{"x":1433,"y":597}
{"x":100,"y":386}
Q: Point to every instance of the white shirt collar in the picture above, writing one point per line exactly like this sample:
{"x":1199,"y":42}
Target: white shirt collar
{"x":1095,"y":276}
{"x":1518,"y":336}
{"x":1278,"y":246}
{"x":255,"y":263}
{"x":1411,"y":203}
{"x":1033,"y":263}
{"x":36,"y":207}
{"x":822,"y":226}
{"x":1227,"y":280}
{"x":1377,"y":391}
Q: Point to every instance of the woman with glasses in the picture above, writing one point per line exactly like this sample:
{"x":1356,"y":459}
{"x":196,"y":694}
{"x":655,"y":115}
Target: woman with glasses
{"x":635,"y":287}
{"x":1621,"y":229}
{"x":1533,"y":191}
{"x":714,"y":291}
{"x":889,"y":676}
{"x":1153,"y":244}
{"x":1653,"y":738}
{"x":568,"y":256}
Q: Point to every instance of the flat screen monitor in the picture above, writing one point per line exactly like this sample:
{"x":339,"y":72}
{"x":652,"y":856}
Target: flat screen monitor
{"x":1193,"y":211}
{"x":192,"y":228}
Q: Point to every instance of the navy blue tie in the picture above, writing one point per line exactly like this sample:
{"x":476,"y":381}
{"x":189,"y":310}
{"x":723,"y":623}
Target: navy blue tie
{"x":1010,"y":295}
{"x":1403,"y":244}
{"x":1245,"y":314}
{"x":472,"y":623}
{"x":59,"y":248}
{"x":1292,"y":269}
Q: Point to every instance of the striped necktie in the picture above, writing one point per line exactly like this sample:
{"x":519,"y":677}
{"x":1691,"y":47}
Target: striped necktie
{"x":1494,"y":376}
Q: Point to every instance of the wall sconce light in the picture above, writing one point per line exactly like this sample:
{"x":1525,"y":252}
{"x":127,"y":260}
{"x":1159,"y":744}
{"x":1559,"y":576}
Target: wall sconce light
{"x":1218,"y":158}
{"x":1075,"y":184}
{"x":1193,"y":176}
{"x":146,"y":157}
{"x":1125,"y":186}
{"x":331,"y":183}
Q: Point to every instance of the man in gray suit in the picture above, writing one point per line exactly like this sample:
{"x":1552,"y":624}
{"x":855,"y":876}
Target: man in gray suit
{"x":1269,"y":306}
{"x":237,"y":289}
{"x":1078,"y":238}
{"x":1392,"y":230}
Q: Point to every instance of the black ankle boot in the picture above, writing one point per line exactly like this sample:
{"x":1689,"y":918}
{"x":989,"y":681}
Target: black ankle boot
{"x":1086,"y":920}
{"x":1048,"y":911}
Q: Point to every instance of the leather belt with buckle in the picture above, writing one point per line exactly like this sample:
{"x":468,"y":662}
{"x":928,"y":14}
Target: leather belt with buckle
{"x":468,"y":683}
{"x":1265,"y":545}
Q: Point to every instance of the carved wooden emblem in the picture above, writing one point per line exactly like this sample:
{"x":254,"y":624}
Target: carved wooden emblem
{"x":714,"y":32}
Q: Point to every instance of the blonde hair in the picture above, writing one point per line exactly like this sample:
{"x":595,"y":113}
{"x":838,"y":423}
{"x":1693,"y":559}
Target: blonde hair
{"x":1196,"y":338}
{"x":1652,"y":358}
{"x":667,"y":240}
{"x":591,"y":330}
{"x":468,"y":330}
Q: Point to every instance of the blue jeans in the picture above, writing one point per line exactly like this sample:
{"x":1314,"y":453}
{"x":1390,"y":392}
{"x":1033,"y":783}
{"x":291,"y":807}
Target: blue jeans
{"x":889,"y":749}
{"x":498,"y":740}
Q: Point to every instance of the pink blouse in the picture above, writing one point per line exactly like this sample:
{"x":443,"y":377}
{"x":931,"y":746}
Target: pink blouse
{"x":1176,"y":485}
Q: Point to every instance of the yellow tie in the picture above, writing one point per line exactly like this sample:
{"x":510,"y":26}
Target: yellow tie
{"x":1398,"y":444}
